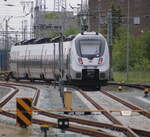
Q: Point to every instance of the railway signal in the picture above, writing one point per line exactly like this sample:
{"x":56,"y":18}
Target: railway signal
{"x":63,"y":123}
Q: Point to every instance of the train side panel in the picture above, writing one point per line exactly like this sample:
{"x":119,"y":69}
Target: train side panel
{"x":17,"y":58}
{"x":38,"y":61}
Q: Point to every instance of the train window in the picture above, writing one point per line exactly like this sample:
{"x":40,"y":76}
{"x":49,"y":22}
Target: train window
{"x":90,"y":48}
{"x":87,"y":49}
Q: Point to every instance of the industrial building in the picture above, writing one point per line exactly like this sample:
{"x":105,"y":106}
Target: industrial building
{"x":48,"y":22}
{"x":136,"y":10}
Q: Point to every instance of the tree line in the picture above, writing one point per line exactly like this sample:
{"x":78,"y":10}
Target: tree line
{"x":139,"y":51}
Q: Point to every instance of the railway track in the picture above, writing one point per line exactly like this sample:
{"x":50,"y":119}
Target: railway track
{"x":129,"y":131}
{"x":131,"y":106}
{"x":72,"y":127}
{"x":125,"y":130}
{"x":11,"y":94}
{"x":138,"y":86}
{"x":94,"y":130}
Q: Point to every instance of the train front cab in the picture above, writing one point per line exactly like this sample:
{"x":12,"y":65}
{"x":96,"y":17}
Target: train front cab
{"x":89,"y":59}
{"x":88,"y":79}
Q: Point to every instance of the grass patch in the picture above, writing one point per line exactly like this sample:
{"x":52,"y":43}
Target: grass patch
{"x":134,"y":77}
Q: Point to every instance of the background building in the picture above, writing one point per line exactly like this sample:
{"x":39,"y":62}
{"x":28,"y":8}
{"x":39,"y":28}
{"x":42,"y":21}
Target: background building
{"x":49,"y":22}
{"x":139,"y":13}
{"x":4,"y":49}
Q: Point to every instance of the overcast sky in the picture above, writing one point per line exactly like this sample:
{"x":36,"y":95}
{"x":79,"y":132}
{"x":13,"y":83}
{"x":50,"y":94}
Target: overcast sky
{"x":17,"y":10}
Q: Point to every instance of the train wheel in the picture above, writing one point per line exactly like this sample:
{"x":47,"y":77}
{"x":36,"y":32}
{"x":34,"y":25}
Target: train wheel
{"x":98,"y":88}
{"x":32,"y":80}
{"x":42,"y":76}
{"x":7,"y":78}
{"x":17,"y":79}
{"x":26,"y":76}
{"x":92,"y":88}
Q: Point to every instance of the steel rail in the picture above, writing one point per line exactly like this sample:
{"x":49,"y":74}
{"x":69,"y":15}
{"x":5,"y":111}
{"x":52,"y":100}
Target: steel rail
{"x":78,"y":129}
{"x":83,"y":121}
{"x":36,"y":95}
{"x":35,"y":102}
{"x":74,"y":128}
{"x":9,"y":96}
{"x":89,"y":123}
{"x":20,"y":85}
{"x":138,"y":86}
{"x":115,"y":127}
{"x":128,"y":132}
{"x":141,"y":132}
{"x":133,"y":107}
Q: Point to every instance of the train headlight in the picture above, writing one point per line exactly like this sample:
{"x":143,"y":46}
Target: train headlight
{"x":80,"y":61}
{"x":100,"y":61}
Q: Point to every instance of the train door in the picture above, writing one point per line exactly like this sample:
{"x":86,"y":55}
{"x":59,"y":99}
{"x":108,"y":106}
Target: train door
{"x":42,"y":63}
{"x":27,"y":63}
{"x":47,"y":61}
{"x":57,"y":58}
{"x":45,"y":64}
{"x":13,"y":62}
{"x":54,"y":60}
{"x":68,"y":62}
{"x":17,"y":64}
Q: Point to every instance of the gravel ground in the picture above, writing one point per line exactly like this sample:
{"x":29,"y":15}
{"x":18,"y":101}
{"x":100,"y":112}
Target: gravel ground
{"x":7,"y":130}
{"x":49,"y":98}
{"x":4,"y":91}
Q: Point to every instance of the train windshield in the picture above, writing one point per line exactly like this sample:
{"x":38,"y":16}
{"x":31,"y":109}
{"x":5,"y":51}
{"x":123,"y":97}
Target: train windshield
{"x":90,"y":48}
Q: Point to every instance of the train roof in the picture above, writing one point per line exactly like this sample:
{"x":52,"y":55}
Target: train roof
{"x":70,"y":37}
{"x":54,"y":39}
{"x":57,"y":39}
{"x":45,"y":40}
{"x":25,"y":42}
{"x":41,"y":40}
